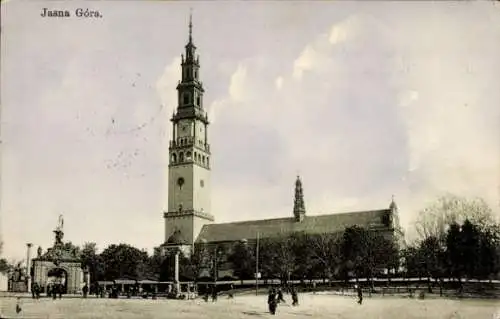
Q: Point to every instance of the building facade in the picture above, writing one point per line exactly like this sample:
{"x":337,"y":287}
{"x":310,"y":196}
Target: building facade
{"x":189,"y":219}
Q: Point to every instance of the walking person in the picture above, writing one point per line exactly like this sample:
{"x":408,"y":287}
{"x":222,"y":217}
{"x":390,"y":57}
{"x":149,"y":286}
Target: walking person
{"x":280,"y":295}
{"x":230,"y":294}
{"x":206,"y":295}
{"x":360,"y":294}
{"x":54,"y":291}
{"x":214,"y":293}
{"x":18,"y":305}
{"x":295,"y":297}
{"x":85,"y":291}
{"x":271,"y":301}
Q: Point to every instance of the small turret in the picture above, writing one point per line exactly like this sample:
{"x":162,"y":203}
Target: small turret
{"x":393,"y":207}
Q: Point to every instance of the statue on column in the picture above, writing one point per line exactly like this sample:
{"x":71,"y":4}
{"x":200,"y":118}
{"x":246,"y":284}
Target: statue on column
{"x":60,"y":223}
{"x":39,"y":252}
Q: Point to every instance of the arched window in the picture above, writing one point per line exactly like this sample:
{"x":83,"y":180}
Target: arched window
{"x":185,"y":98}
{"x":208,"y":162}
{"x":196,"y":74}
{"x":174,"y":158}
{"x":188,"y":155}
{"x":203,"y":160}
{"x":181,"y":157}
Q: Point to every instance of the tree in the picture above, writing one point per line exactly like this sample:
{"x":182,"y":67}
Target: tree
{"x":277,"y":257}
{"x":157,"y":264}
{"x":472,"y":251}
{"x":453,"y":251}
{"x":68,"y":246}
{"x":367,"y":252}
{"x":433,"y":220}
{"x":123,"y":260}
{"x":354,"y":250}
{"x":489,"y":264}
{"x":431,"y":257}
{"x":242,"y":259}
{"x":197,"y":261}
{"x":304,"y":263}
{"x":326,"y":248}
{"x":92,"y":261}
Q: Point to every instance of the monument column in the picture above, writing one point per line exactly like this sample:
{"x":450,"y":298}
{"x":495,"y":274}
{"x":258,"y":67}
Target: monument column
{"x":176,"y":278}
{"x":28,"y":265}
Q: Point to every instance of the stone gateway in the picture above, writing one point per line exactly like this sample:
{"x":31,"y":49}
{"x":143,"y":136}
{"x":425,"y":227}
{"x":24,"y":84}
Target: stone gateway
{"x":59,"y":265}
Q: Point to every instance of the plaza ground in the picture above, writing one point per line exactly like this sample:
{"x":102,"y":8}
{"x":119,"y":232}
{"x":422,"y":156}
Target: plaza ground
{"x":311,"y":306}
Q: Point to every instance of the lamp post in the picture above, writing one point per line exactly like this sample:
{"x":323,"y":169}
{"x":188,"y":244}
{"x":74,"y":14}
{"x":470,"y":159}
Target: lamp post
{"x":257,"y":266}
{"x":217,"y":254}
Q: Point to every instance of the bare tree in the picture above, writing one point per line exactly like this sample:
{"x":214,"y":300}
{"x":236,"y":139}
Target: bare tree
{"x":277,"y":256}
{"x":433,"y":220}
{"x":326,"y":248}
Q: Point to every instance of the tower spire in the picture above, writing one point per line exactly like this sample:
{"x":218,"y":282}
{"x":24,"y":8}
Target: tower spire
{"x":191,"y":25}
{"x":299,"y":209}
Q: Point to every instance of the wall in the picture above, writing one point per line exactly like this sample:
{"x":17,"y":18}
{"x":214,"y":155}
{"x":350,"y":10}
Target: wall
{"x":184,"y":195}
{"x":4,"y":282}
{"x":182,"y":222}
{"x":201,"y":194}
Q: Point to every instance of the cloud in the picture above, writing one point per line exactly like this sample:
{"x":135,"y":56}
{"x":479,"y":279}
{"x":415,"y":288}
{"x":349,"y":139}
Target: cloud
{"x":237,"y":88}
{"x":167,"y":82}
{"x":279,"y":82}
{"x":338,"y":34}
{"x":308,"y":59}
{"x":366,"y":123}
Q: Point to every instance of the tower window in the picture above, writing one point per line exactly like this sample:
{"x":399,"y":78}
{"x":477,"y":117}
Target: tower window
{"x":185,"y":98}
{"x":203,"y":160}
{"x":181,"y":157}
{"x":174,"y":158}
{"x":202,"y":183}
{"x":180,"y":182}
{"x":188,"y":155}
{"x":196,"y":74}
{"x":198,"y":100}
{"x":208,"y":163}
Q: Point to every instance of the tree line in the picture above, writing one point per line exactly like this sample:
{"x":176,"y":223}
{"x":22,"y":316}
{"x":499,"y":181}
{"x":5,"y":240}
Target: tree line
{"x":457,"y":238}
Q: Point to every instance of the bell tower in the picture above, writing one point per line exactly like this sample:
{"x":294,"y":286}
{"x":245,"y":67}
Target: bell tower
{"x":189,"y":153}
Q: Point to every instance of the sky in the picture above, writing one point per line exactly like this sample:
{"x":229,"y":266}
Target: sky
{"x":364,"y":100}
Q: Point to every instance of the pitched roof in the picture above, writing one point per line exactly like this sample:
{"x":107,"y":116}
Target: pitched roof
{"x":272,"y":227}
{"x":176,"y":238}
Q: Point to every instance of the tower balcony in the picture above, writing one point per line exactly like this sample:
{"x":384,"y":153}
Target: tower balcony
{"x":189,"y":141}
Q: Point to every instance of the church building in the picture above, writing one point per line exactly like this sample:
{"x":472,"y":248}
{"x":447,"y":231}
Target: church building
{"x":189,"y":220}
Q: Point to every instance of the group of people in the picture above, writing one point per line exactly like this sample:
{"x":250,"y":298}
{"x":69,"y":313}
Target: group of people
{"x":275,"y":297}
{"x":53,"y":290}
